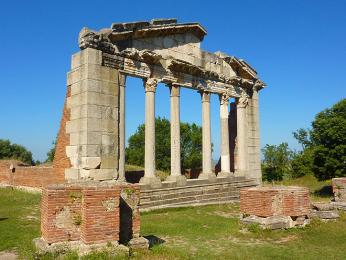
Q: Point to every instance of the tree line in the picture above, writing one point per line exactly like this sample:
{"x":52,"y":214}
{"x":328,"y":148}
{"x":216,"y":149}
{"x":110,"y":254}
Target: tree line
{"x":323,"y":151}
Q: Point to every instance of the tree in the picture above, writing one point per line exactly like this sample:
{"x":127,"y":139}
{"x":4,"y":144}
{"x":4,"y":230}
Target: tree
{"x":190,"y":139}
{"x":51,"y":152}
{"x":324,"y":146}
{"x":276,"y":164}
{"x":328,"y":137}
{"x":15,"y":151}
{"x":303,"y":137}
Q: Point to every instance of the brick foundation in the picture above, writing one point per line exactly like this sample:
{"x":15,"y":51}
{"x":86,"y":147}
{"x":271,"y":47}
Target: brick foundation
{"x":90,"y":213}
{"x":339,"y":189}
{"x":275,"y":201}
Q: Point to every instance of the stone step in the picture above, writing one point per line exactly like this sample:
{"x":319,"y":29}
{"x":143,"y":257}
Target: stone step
{"x":190,"y":199}
{"x":188,"y":194}
{"x":209,"y":201}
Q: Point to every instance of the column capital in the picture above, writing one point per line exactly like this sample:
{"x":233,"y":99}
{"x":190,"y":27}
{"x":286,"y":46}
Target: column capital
{"x":150,"y":84}
{"x":243,"y":101}
{"x":205,"y":96}
{"x":224,"y":98}
{"x":174,"y":89}
{"x":122,"y":80}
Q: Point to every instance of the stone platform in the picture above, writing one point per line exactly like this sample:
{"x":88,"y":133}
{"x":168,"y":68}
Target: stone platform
{"x":195,"y":192}
{"x":88,"y":215}
{"x":275,"y":207}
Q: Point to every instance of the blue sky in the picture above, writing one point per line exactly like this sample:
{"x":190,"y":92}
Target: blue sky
{"x":298,"y":47}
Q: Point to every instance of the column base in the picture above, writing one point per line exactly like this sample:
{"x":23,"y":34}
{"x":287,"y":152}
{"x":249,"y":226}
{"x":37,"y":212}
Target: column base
{"x":179,"y":179}
{"x":207,"y":176}
{"x":240,"y":173}
{"x":225,"y":175}
{"x":153,"y":182}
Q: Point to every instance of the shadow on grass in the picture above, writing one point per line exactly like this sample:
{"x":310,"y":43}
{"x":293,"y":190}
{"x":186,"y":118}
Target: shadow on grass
{"x":154,"y":240}
{"x":3,"y":218}
{"x":325,"y":192}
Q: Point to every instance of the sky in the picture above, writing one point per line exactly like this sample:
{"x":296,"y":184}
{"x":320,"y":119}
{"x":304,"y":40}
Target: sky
{"x":298,"y":47}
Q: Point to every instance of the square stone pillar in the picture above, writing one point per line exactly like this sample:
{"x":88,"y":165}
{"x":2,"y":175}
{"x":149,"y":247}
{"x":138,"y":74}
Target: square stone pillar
{"x":93,"y":122}
{"x":253,"y":138}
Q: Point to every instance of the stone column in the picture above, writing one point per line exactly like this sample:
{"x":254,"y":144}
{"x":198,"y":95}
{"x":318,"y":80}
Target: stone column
{"x":225,"y":154}
{"x":149,"y":157}
{"x":122,"y":84}
{"x":206,"y":138}
{"x":242,"y":136}
{"x":175,"y":138}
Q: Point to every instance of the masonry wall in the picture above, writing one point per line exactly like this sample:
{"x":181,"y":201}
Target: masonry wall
{"x":90,"y":213}
{"x":30,"y":176}
{"x":275,"y":201}
{"x":61,"y":161}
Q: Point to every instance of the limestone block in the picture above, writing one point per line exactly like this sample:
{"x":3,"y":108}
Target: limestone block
{"x":90,"y":150}
{"x":80,"y":138}
{"x":108,"y":139}
{"x":71,"y":174}
{"x":107,"y":149}
{"x":71,"y":150}
{"x":90,"y":162}
{"x":102,"y":174}
{"x":86,"y":56}
{"x":109,"y":161}
{"x":325,"y":214}
{"x":92,"y":85}
{"x":92,"y":71}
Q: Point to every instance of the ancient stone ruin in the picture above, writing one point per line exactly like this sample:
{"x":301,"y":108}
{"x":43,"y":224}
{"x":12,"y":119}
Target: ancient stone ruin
{"x":275,"y":207}
{"x":91,"y":143}
{"x":89,"y":205}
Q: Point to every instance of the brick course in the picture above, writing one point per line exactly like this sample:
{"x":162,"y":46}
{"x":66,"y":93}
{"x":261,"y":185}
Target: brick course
{"x":89,"y":213}
{"x":275,"y":201}
{"x":31,"y":176}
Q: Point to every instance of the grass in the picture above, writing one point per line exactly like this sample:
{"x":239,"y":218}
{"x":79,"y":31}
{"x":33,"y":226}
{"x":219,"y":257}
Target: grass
{"x":208,"y":232}
{"x":319,"y":190}
{"x":140,"y":170}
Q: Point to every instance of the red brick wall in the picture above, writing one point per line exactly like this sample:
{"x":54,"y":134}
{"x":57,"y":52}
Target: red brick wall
{"x":272,"y":201}
{"x":339,"y":189}
{"x":90,"y":213}
{"x":61,"y":214}
{"x":60,"y":159}
{"x":100,"y":214}
{"x":31,"y":176}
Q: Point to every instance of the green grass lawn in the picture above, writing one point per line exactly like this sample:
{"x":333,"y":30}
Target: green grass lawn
{"x":208,"y":232}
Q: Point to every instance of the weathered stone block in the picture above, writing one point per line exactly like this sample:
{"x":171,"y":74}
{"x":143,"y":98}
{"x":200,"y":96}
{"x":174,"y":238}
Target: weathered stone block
{"x":86,"y":56}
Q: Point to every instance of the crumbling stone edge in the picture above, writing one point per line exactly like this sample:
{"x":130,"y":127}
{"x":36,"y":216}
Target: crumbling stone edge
{"x":83,"y":249}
